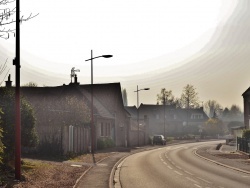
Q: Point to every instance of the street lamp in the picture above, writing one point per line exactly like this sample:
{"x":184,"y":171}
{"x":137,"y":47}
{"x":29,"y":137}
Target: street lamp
{"x":138,"y":110}
{"x":92,"y":106}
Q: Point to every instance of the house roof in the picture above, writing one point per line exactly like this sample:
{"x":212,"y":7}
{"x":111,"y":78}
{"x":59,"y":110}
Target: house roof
{"x":99,"y":108}
{"x":104,"y":95}
{"x":132,"y":110}
{"x":246,"y":93}
{"x":176,"y":114}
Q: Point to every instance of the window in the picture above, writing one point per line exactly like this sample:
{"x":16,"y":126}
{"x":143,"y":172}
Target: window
{"x":197,"y":116}
{"x":105,"y":129}
{"x":102,"y":129}
{"x":108,"y":129}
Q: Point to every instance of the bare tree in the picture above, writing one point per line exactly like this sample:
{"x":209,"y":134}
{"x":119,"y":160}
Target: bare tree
{"x":124,"y":97}
{"x":235,"y":111}
{"x":30,"y":84}
{"x":7,"y":12}
{"x":2,"y":69}
{"x":189,"y":97}
{"x":166,"y":97}
{"x":212,"y":107}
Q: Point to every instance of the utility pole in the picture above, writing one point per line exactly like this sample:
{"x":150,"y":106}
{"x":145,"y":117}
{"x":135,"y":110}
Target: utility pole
{"x":16,"y":62}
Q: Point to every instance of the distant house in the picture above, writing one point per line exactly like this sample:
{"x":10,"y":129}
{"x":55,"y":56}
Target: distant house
{"x":246,"y":102}
{"x":170,"y":121}
{"x":63,"y":114}
{"x":137,"y":128}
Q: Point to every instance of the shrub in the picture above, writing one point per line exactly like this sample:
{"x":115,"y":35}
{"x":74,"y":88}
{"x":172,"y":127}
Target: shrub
{"x":1,"y":146}
{"x":28,"y":134}
{"x":50,"y":146}
{"x":246,"y":133}
{"x":103,"y":143}
{"x":169,"y":139}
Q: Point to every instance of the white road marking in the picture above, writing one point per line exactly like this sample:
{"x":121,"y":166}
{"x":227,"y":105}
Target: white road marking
{"x":178,"y":147}
{"x":188,"y":173}
{"x":170,"y":167}
{"x":75,"y":165}
{"x":178,"y":167}
{"x":204,"y":180}
{"x":197,"y":185}
{"x":178,"y":173}
{"x":190,"y":179}
{"x":246,"y":176}
{"x":165,"y":163}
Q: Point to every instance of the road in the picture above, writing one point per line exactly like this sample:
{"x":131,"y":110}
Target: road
{"x":178,"y":166}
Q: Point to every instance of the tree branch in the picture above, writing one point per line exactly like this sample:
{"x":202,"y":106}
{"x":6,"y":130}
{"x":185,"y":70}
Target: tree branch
{"x":5,"y":15}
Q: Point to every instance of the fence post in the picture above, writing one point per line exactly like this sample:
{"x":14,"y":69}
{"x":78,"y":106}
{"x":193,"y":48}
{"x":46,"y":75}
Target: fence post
{"x":241,"y":147}
{"x":244,"y":143}
{"x":237,"y":143}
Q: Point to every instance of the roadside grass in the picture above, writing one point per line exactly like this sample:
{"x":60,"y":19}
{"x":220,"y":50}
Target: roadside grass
{"x":48,"y":173}
{"x":28,"y":168}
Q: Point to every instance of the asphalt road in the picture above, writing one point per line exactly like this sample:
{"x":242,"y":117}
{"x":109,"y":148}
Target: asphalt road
{"x":178,"y":166}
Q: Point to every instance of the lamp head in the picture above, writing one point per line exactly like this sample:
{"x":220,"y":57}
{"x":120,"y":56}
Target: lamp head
{"x":107,"y":56}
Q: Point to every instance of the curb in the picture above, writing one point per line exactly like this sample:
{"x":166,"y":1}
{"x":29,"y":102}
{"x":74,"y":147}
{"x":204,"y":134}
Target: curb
{"x":112,"y":174}
{"x":221,"y":164}
{"x":112,"y":182}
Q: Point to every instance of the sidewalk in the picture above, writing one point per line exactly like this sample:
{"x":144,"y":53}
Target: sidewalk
{"x":227,"y":156}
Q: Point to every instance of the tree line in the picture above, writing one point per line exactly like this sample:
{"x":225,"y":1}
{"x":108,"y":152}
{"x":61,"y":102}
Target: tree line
{"x":190,"y":99}
{"x":220,"y":121}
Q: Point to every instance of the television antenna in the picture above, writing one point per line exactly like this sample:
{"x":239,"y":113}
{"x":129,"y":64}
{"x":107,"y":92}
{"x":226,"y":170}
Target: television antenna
{"x":73,"y":73}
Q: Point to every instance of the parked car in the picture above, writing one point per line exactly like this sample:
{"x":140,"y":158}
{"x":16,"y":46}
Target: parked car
{"x":159,"y":139}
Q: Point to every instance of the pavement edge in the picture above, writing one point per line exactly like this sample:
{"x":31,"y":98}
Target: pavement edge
{"x":221,"y":164}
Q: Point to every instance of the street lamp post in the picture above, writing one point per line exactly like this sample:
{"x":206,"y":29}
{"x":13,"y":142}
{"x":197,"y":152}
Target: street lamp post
{"x":92,"y":105}
{"x":138,"y":111}
{"x":164,"y":105}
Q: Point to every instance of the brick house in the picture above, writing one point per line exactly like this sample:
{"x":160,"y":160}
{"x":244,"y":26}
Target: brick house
{"x":63,"y":113}
{"x":177,"y":121}
{"x":246,"y":103}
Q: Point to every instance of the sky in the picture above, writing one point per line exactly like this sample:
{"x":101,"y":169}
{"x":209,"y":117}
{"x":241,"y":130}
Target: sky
{"x":153,"y":43}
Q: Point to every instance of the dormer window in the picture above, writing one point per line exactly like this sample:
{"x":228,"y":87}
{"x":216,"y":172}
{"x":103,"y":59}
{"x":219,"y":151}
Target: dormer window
{"x":197,"y":116}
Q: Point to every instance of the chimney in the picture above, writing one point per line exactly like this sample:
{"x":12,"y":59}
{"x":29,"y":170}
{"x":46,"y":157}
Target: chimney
{"x":8,"y":83}
{"x":75,"y":79}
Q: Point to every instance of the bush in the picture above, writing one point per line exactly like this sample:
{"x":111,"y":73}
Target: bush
{"x":103,"y":143}
{"x":1,"y":146}
{"x":50,"y":146}
{"x":246,"y":133}
{"x":169,"y":139}
{"x":28,"y":133}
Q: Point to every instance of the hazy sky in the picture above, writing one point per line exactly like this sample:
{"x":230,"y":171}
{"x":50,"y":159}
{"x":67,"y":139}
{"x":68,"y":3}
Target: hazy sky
{"x":133,"y":31}
{"x":146,"y":37}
